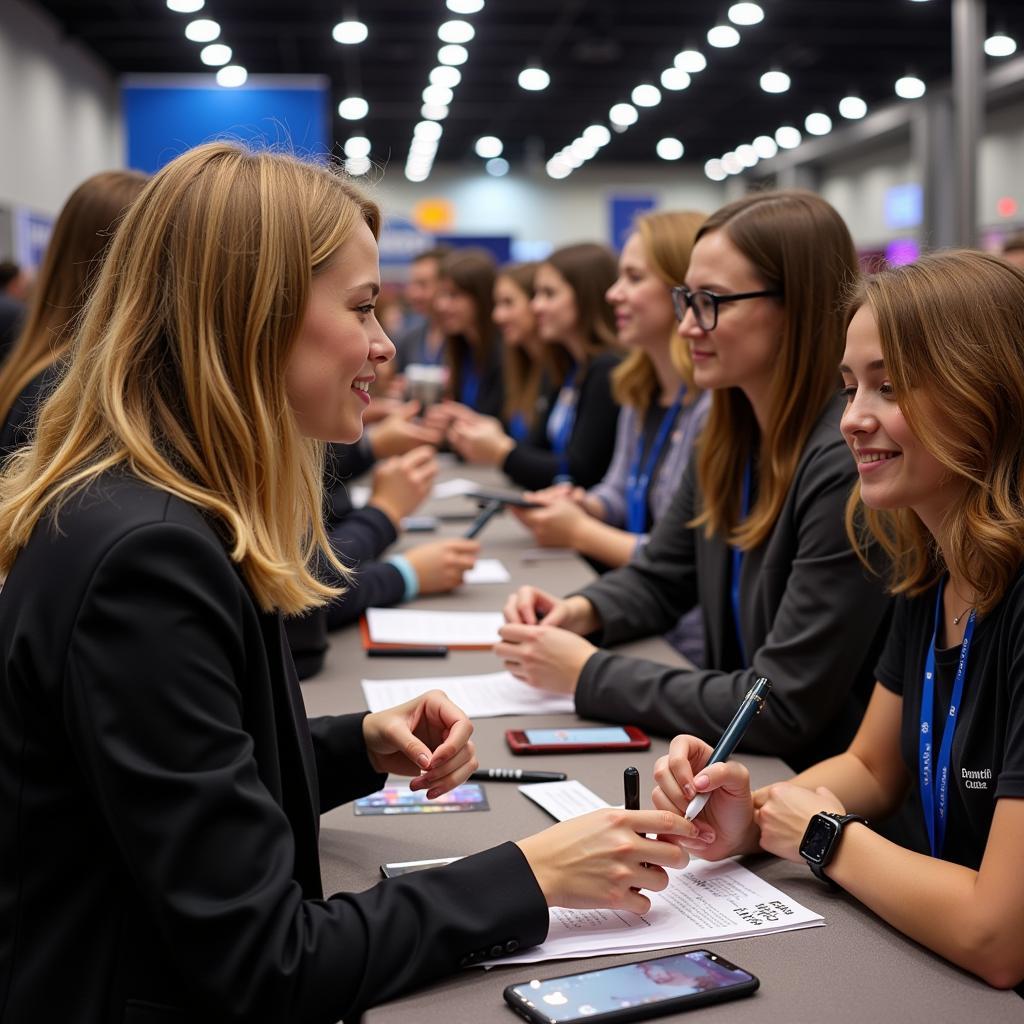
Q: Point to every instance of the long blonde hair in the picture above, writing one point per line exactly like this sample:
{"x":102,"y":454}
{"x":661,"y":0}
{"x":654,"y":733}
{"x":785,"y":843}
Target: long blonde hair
{"x":951,"y":328}
{"x":81,"y":234}
{"x":177,"y":372}
{"x":668,"y":238}
{"x":799,"y":246}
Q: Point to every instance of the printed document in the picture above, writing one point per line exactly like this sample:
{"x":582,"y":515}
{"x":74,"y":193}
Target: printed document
{"x":450,"y":629}
{"x":487,"y":570}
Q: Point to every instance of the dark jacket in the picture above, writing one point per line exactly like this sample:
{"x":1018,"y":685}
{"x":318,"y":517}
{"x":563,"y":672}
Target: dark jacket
{"x":19,"y":427}
{"x":160,"y":791}
{"x":813,"y":618}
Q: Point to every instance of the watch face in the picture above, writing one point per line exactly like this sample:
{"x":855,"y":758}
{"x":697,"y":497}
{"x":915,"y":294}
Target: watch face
{"x":818,"y":839}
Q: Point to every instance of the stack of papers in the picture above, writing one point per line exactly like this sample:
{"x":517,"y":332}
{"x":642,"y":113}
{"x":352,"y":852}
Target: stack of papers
{"x":449,"y":629}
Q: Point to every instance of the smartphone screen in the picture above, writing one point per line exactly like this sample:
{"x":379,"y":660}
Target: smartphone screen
{"x":577,"y":997}
{"x":552,"y":737}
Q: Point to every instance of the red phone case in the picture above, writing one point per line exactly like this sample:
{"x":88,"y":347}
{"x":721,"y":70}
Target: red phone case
{"x":518,"y":744}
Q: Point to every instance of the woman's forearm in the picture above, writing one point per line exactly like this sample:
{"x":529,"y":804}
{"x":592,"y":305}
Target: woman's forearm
{"x":604,"y":543}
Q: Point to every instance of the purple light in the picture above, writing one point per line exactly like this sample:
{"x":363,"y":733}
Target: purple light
{"x":902,"y":251}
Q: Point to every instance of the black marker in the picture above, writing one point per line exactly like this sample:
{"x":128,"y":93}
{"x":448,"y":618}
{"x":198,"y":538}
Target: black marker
{"x":407,"y":652}
{"x":516,"y":775}
{"x":491,"y":509}
{"x":631,"y":785}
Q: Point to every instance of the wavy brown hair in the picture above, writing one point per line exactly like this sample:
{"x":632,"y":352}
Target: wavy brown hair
{"x":472,"y":271}
{"x":523,"y":371}
{"x":951,"y":328}
{"x":800,"y":246}
{"x":81,"y":234}
{"x":177,"y":372}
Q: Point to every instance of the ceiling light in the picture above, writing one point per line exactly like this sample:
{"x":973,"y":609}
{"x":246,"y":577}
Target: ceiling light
{"x":456,"y":32}
{"x":534,"y":79}
{"x":818,"y":123}
{"x":357,"y":165}
{"x":434,"y":111}
{"x":723,"y":36}
{"x":623,"y":115}
{"x":765,"y":147}
{"x":597,"y":135}
{"x":232,"y":76}
{"x":853,"y":108}
{"x":185,"y":6}
{"x":439,"y":94}
{"x":747,"y":155}
{"x":910,"y":88}
{"x":452,"y":54}
{"x":646,"y":95}
{"x":202,"y":30}
{"x":775,"y":81}
{"x":215,"y":54}
{"x":1000,"y":45}
{"x":583,"y":149}
{"x":357,"y":147}
{"x":429,"y":130}
{"x":573,"y":160}
{"x":354,"y":108}
{"x":746,"y":14}
{"x":415,"y":175}
{"x":350,"y":32}
{"x":669,"y":149}
{"x":497,"y":167}
{"x":488,"y":146}
{"x":675,"y":79}
{"x":557,"y":168}
{"x":731,"y":164}
{"x":715,"y":171}
{"x":447,"y":76}
{"x":465,"y":6}
{"x":788,"y":137}
{"x":690,"y":61}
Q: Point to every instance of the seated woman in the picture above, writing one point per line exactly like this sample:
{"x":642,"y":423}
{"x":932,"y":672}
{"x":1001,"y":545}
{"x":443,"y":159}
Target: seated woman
{"x":574,"y":442}
{"x":754,"y":535}
{"x":660,"y":418}
{"x":943,"y":494}
{"x":160,"y":782}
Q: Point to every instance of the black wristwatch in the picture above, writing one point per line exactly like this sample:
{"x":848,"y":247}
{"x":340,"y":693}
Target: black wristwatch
{"x":821,"y":838}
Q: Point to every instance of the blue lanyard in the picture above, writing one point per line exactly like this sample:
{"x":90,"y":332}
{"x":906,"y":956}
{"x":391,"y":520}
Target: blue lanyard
{"x":518,"y":428}
{"x":935,"y":794}
{"x":737,"y":566}
{"x":470,"y":389}
{"x":639,"y":481}
{"x":560,"y":424}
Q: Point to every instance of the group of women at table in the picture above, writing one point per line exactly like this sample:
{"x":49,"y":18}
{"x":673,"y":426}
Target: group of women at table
{"x":162,"y":512}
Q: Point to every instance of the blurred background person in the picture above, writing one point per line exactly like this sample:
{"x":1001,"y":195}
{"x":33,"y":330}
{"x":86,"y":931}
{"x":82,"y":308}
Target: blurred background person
{"x":1013,"y":249}
{"x":422,"y":340}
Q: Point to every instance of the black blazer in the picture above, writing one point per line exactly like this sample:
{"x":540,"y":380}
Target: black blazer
{"x":19,"y":427}
{"x":160,"y":791}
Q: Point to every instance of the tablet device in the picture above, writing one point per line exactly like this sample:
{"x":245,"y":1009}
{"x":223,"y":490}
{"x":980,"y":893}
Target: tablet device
{"x":402,"y":800}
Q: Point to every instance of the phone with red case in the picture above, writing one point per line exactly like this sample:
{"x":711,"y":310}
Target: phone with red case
{"x":576,"y":740}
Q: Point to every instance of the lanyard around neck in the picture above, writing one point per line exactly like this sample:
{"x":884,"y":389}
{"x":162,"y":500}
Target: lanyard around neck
{"x":469,"y":391}
{"x":639,"y":480}
{"x":934,"y":775}
{"x":564,"y":414}
{"x":737,"y":566}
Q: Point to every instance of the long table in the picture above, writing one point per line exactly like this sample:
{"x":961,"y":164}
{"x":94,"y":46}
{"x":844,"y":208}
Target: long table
{"x":856,"y":968}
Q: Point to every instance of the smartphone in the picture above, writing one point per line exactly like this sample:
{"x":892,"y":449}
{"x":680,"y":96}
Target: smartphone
{"x":576,"y":741}
{"x":505,"y":497}
{"x":647,"y":988}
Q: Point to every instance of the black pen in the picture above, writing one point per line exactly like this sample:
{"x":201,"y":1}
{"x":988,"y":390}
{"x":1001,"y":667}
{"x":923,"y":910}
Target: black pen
{"x":407,"y":652}
{"x":631,"y":785}
{"x":516,"y":775}
{"x":491,"y":509}
{"x":747,"y":712}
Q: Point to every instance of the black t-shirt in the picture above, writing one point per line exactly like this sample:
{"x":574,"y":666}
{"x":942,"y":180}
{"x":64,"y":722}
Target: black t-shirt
{"x":987,"y":760}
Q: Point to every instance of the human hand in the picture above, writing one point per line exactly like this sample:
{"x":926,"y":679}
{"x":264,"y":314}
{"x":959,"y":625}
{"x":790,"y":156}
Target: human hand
{"x":544,"y":656}
{"x":481,"y":441}
{"x":441,"y":564}
{"x":427,"y":737}
{"x":785,"y":814}
{"x":441,"y":415}
{"x":599,"y":859}
{"x":531,"y":605}
{"x":402,"y":483}
{"x":726,"y":824}
{"x":397,"y":434}
{"x":557,"y":525}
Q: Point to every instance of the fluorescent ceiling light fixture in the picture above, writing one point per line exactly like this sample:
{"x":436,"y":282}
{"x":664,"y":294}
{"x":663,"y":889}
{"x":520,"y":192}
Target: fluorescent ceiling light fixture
{"x":185,"y":6}
{"x":416,"y":176}
{"x":690,"y":61}
{"x":746,"y":14}
{"x":747,"y":155}
{"x":439,"y":94}
{"x":353,"y":108}
{"x":675,"y":79}
{"x":765,"y":147}
{"x":853,"y":108}
{"x":646,"y":95}
{"x":350,"y":32}
{"x":357,"y":165}
{"x":232,"y":76}
{"x":597,"y":135}
{"x":669,"y":149}
{"x":202,"y":30}
{"x":215,"y":54}
{"x":465,"y":6}
{"x":818,"y":123}
{"x":429,"y":130}
{"x":731,"y":163}
{"x":910,"y":87}
{"x":452,"y":54}
{"x":775,"y":81}
{"x":447,"y":76}
{"x":623,"y":115}
{"x":357,"y":147}
{"x":434,"y":111}
{"x":1000,"y":45}
{"x":534,"y":79}
{"x":715,"y":171}
{"x":488,"y":146}
{"x":788,"y":137}
{"x":456,"y":32}
{"x":497,"y":167}
{"x":723,"y":36}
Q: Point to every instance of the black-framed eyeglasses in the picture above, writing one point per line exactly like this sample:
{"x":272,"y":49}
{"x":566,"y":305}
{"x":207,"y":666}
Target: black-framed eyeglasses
{"x":705,"y":304}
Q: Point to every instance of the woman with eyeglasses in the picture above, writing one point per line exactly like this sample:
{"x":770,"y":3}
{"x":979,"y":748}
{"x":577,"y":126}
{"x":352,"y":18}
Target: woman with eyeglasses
{"x":754,"y":535}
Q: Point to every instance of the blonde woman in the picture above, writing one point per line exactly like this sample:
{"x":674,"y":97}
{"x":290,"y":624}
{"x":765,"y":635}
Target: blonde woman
{"x":160,"y":786}
{"x":944,"y":732}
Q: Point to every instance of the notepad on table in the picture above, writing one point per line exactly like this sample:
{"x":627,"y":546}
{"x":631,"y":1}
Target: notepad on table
{"x":419,"y":628}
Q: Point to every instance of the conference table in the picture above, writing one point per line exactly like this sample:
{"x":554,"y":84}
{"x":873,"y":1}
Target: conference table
{"x":855,"y":968}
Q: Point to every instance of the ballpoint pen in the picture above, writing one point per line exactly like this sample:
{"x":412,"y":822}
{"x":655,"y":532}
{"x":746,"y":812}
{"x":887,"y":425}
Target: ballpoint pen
{"x":515,"y":775}
{"x":491,"y":509}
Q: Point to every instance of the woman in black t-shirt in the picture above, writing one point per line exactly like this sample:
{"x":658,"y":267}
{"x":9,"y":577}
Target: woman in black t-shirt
{"x":934,"y":372}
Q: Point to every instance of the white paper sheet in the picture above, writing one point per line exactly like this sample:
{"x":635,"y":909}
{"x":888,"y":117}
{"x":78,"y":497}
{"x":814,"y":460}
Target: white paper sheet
{"x":487,"y":570}
{"x":483,"y":696}
{"x":563,"y":800}
{"x":401,"y":626}
{"x":454,"y":488}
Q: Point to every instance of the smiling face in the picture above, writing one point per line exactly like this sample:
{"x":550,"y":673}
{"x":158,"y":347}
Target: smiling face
{"x":454,"y":310}
{"x":554,"y":305}
{"x":331,"y":364}
{"x":896,"y":470}
{"x":512,"y":313}
{"x":642,"y":302}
